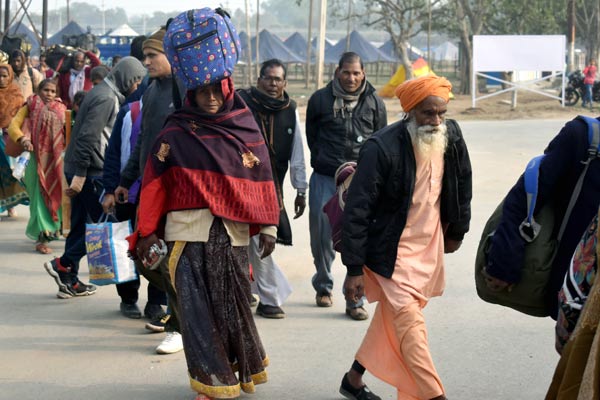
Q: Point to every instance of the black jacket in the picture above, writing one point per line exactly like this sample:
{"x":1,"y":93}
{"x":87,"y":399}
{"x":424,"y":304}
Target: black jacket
{"x":334,"y":140}
{"x":380,"y":195}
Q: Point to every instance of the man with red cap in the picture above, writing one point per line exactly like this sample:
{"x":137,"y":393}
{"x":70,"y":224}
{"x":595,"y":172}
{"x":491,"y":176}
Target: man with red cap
{"x":409,"y":203}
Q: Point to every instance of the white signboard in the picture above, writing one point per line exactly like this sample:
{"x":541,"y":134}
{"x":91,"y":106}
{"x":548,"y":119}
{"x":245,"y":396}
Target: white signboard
{"x":519,"y":53}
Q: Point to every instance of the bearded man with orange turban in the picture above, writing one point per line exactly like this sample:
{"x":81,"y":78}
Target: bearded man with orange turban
{"x":408,"y":204}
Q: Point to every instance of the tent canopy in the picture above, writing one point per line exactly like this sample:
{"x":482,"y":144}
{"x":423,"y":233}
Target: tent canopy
{"x":358,"y":44}
{"x":389,"y":49}
{"x":71,"y":29}
{"x":270,"y":46}
{"x":22,"y":30}
{"x":446,"y":51}
{"x":297,"y":44}
{"x":420,"y":68}
{"x":123,"y":30}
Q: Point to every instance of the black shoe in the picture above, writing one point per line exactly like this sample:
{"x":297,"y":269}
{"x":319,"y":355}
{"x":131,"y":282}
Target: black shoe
{"x":158,"y":325}
{"x":154,"y":311}
{"x":267,"y":311}
{"x":130,"y":310}
{"x":350,"y":392}
{"x":60,"y":275}
{"x":82,"y":289}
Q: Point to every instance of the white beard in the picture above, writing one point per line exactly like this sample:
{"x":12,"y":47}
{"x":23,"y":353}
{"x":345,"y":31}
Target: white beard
{"x":428,"y":139}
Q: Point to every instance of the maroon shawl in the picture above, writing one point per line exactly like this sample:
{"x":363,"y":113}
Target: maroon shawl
{"x":215,"y":161}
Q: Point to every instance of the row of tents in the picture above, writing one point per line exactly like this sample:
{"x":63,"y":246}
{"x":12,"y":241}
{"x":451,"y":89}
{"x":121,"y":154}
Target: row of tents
{"x":291,"y":50}
{"x":294,"y":49}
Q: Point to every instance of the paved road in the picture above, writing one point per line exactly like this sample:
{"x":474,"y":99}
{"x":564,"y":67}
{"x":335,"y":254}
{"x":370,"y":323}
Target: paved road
{"x":83,"y":348}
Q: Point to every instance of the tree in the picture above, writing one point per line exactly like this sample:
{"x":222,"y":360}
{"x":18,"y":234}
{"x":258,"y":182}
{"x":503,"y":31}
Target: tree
{"x":587,"y":15}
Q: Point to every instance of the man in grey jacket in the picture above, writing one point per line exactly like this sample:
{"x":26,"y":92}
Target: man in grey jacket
{"x":83,"y":164}
{"x":157,"y":105}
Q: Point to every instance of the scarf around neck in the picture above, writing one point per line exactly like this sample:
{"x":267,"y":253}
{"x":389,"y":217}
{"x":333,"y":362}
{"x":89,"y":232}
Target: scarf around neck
{"x":345,"y":102}
{"x":46,"y":124}
{"x":78,"y":83}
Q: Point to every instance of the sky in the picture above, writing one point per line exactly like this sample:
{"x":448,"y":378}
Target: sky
{"x":137,"y":7}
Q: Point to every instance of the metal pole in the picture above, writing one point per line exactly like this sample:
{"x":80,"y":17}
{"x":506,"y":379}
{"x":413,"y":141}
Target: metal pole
{"x":257,"y":36}
{"x":6,"y":15}
{"x":321,"y":49}
{"x":348,"y":25}
{"x":44,"y":23}
{"x":309,"y":45}
{"x":429,"y":33}
{"x":69,"y":12}
{"x":249,"y":49}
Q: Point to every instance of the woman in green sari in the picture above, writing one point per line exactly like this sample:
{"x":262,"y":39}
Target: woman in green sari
{"x":38,"y":127}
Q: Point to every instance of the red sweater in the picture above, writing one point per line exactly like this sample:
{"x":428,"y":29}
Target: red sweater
{"x":64,"y":79}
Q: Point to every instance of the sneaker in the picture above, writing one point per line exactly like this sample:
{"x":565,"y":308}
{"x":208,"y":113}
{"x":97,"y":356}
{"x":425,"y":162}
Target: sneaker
{"x":60,"y":274}
{"x":267,"y":311}
{"x":357,"y":314}
{"x":154,"y":311}
{"x":324,"y":300}
{"x":64,"y":293}
{"x":130,"y":310}
{"x":158,"y":325}
{"x":171,"y":344}
{"x":350,"y":392}
{"x":81,"y":289}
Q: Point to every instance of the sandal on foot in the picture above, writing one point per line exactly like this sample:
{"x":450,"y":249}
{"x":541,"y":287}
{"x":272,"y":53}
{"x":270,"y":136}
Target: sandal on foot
{"x":11,"y":212}
{"x":43,"y":248}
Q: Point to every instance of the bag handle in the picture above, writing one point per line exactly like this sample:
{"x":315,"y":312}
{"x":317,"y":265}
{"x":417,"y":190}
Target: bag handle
{"x":529,"y":228}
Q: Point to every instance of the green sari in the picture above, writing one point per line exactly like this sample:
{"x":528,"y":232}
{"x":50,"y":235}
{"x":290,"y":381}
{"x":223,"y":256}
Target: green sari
{"x":40,"y":227}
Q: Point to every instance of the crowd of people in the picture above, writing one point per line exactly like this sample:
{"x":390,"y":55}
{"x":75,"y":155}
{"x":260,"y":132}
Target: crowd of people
{"x":207,"y":179}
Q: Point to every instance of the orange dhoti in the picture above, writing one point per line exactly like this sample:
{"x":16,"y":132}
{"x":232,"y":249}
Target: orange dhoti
{"x":395,"y":350}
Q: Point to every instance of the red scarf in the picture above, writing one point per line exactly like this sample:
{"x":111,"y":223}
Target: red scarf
{"x":46,"y":124}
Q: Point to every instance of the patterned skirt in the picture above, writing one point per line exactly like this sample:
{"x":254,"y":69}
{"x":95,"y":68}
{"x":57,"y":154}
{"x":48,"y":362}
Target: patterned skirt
{"x":223,"y":350}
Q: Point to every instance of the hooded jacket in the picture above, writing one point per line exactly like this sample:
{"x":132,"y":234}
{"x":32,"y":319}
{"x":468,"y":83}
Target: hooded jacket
{"x":96,"y":117}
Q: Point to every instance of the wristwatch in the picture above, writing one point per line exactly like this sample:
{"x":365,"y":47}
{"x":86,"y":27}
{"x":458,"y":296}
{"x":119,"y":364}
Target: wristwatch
{"x":302,"y":194}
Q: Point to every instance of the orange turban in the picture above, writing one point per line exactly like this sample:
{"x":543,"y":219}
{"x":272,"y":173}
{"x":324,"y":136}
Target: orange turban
{"x":416,"y":90}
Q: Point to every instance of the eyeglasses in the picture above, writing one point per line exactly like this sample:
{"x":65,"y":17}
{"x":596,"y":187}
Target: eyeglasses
{"x":273,"y":79}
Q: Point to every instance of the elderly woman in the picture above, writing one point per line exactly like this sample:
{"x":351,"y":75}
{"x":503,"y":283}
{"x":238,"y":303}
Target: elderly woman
{"x":209,"y":178}
{"x":12,"y":192}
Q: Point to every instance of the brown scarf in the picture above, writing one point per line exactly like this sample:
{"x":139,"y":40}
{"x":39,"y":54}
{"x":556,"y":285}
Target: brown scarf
{"x":11,"y":98}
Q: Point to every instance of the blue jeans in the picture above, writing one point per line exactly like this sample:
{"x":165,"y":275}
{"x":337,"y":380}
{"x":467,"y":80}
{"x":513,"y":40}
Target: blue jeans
{"x":85,"y":207}
{"x":588,"y":95}
{"x":321,"y":189}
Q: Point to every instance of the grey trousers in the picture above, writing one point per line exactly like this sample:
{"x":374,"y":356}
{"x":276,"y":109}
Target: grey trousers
{"x":321,"y":189}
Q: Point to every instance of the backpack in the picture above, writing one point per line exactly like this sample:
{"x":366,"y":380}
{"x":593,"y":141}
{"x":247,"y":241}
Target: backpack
{"x":202,"y":46}
{"x":334,"y":208}
{"x":528,"y":295}
{"x":577,"y":284}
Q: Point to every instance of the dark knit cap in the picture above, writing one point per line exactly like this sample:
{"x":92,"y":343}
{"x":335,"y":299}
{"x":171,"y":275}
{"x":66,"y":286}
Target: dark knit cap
{"x":155,"y":41}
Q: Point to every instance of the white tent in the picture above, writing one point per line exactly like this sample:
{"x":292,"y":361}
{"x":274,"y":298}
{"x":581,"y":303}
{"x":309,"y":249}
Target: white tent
{"x":123,"y":30}
{"x":446,"y":52}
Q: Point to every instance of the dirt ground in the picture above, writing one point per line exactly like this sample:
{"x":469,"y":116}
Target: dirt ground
{"x":529,"y":106}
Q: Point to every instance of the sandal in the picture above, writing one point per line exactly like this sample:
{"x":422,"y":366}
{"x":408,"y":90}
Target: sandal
{"x":43,"y":248}
{"x":12,"y":212}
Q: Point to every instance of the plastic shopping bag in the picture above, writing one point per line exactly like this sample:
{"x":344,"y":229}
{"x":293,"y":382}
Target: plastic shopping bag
{"x":106,"y":249}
